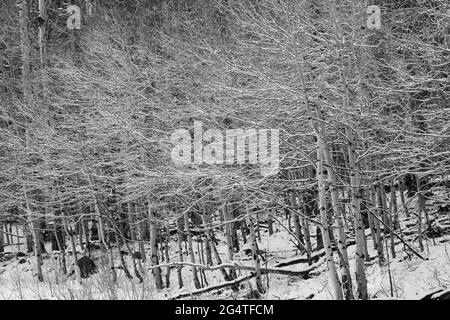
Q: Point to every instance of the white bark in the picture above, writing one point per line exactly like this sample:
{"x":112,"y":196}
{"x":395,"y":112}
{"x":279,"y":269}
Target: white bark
{"x":154,"y":247}
{"x":333,"y":276}
{"x":360,"y":272}
{"x":255,"y":253}
{"x":191,"y":249}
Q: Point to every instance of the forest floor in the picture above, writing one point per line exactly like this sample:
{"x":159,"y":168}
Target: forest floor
{"x":405,"y":277}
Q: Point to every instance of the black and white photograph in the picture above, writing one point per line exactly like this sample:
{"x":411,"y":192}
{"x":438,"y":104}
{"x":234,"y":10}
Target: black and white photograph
{"x":224,"y":156}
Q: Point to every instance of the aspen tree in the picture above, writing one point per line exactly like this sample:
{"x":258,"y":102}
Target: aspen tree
{"x":61,"y":243}
{"x":79,"y":231}
{"x":233,"y":229}
{"x":387,"y":219}
{"x":72,"y":36}
{"x":378,"y":211}
{"x":269,"y":221}
{"x":372,"y":205}
{"x":258,"y":226}
{"x":28,"y":97}
{"x":243,"y":227}
{"x":42,"y":33}
{"x":361,"y":291}
{"x":332,"y":273}
{"x":297,"y":227}
{"x":122,"y":260}
{"x":166,"y":255}
{"x":2,"y":249}
{"x":209,"y":237}
{"x":421,"y":209}
{"x":33,"y":229}
{"x":180,"y":237}
{"x":322,"y":156}
{"x":373,"y":231}
{"x":391,"y":218}
{"x":254,"y":245}
{"x":131,"y":224}
{"x":228,"y":226}
{"x":109,"y":250}
{"x":8,"y":236}
{"x":18,"y":238}
{"x":191,"y":249}
{"x":305,"y":228}
{"x":201,"y":257}
{"x":342,"y":246}
{"x":140,"y":228}
{"x":402,"y":197}
{"x":208,"y":249}
{"x":154,"y":246}
{"x":394,"y":206}
{"x":101,"y":230}
{"x":69,"y":233}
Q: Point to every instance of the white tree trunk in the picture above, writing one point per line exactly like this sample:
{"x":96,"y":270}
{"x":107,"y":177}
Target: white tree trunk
{"x":228,"y":226}
{"x":255,"y":253}
{"x":191,"y":250}
{"x":333,"y":276}
{"x":360,"y":272}
{"x":154,"y":247}
{"x":34,"y":232}
{"x":342,"y":241}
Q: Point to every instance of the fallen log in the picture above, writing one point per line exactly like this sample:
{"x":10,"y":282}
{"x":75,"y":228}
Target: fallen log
{"x":314,"y":258}
{"x":303,"y":273}
{"x":212,"y":288}
{"x":438,"y":295}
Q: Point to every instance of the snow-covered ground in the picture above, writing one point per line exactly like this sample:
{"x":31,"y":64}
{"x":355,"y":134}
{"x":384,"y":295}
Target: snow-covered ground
{"x":411,"y":277}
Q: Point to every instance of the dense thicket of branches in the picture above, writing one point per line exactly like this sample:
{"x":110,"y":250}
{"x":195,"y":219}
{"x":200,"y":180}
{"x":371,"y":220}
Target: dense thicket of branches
{"x":357,"y":110}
